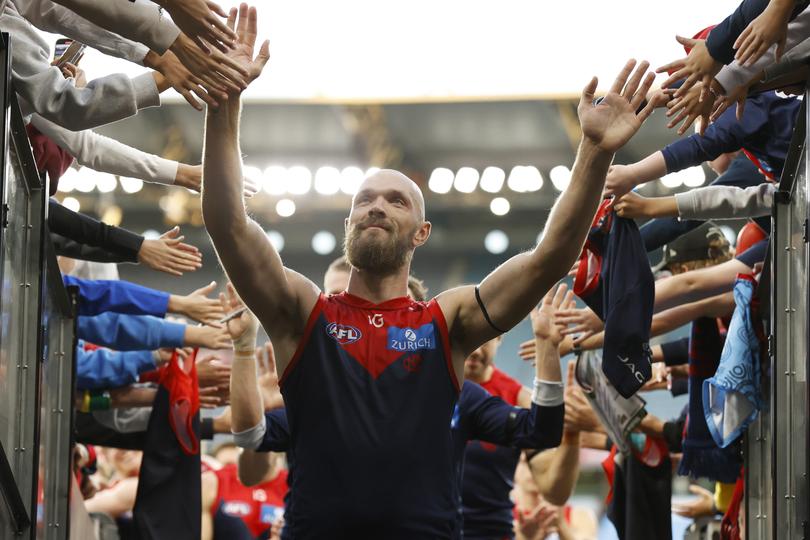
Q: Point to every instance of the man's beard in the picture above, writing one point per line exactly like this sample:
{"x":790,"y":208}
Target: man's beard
{"x":378,"y":256}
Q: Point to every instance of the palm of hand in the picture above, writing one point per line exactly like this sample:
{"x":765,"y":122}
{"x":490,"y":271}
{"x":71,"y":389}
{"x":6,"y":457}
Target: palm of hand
{"x":239,"y":325}
{"x":544,"y":326}
{"x":611,"y":123}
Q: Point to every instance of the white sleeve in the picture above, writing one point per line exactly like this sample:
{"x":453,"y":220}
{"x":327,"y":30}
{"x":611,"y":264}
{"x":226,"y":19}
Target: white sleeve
{"x":726,"y":202}
{"x":108,"y":155}
{"x":733,"y":75}
{"x":139,"y":20}
{"x":43,"y":86}
{"x":51,"y":17}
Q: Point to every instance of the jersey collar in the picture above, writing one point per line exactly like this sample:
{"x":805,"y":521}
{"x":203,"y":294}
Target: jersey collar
{"x":356,"y":301}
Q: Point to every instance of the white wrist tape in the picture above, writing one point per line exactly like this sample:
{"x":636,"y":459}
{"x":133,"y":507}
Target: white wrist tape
{"x":251,"y":438}
{"x":548,"y":393}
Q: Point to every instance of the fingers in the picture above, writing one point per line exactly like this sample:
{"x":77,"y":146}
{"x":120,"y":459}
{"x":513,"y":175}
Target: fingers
{"x":621,"y":79}
{"x":205,"y":291}
{"x":641,"y":94}
{"x":224,"y":303}
{"x":741,"y":39}
{"x":171,"y":233}
{"x":635,"y":80}
{"x":685,"y":41}
{"x":187,"y":95}
{"x":250,"y":32}
{"x":559,"y":295}
{"x":588,"y":93}
{"x":570,"y":377}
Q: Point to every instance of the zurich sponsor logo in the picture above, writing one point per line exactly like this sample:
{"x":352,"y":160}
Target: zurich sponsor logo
{"x":236,"y":508}
{"x":410,"y":339}
{"x":270,"y":513}
{"x":342,"y":333}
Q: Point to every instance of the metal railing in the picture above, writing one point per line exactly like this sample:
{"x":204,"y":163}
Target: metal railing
{"x":37,"y":344}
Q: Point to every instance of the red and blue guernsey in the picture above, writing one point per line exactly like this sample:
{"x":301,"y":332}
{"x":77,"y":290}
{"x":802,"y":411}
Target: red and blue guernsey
{"x":489,"y":473}
{"x":246,"y":513}
{"x":369,"y":396}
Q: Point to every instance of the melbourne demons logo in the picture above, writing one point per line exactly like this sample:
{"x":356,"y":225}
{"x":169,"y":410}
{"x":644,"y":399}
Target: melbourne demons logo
{"x":343,"y":334}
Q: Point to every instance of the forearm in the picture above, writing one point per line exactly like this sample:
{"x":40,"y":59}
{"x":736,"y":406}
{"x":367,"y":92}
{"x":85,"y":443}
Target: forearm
{"x":130,"y":332}
{"x":557,"y":481}
{"x":254,"y":466}
{"x":725,"y":202}
{"x":516,"y":287}
{"x":89,"y":231}
{"x":547,"y":361}
{"x":696,"y":285}
{"x":132,"y":396}
{"x":51,"y":17}
{"x":564,"y":235}
{"x":104,"y":154}
{"x":247,"y":408}
{"x":140,"y":21}
{"x":648,"y":169}
{"x":672,"y":319}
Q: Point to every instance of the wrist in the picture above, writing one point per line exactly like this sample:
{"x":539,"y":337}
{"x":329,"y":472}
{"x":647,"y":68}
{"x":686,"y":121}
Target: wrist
{"x":176,"y":304}
{"x":160,"y":81}
{"x":664,"y":207}
{"x":151,"y":60}
{"x":590,"y":151}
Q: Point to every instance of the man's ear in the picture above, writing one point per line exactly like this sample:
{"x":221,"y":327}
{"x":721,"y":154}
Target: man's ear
{"x":422,"y":234}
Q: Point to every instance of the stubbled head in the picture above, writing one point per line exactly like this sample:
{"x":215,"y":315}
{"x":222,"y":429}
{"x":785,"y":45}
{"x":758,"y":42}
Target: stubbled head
{"x":475,"y":366}
{"x":386,"y":223}
{"x":336,"y":280}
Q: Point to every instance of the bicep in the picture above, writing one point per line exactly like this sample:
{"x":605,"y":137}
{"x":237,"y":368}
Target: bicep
{"x":507,"y":295}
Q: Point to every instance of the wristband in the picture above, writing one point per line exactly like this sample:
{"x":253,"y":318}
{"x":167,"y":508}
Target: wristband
{"x":85,"y":406}
{"x":548,"y":393}
{"x":251,"y":438}
{"x":244,"y":354}
{"x":99,"y":401}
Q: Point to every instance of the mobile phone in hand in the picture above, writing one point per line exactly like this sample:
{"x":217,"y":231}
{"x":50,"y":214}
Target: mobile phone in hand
{"x":67,"y":51}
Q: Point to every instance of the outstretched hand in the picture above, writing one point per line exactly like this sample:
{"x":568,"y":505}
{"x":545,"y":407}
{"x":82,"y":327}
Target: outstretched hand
{"x":698,"y":65}
{"x":544,"y":319}
{"x":201,"y":20}
{"x":768,"y":28}
{"x":243,"y":329}
{"x":614,"y":121}
{"x":170,"y":254}
{"x":244,"y":23}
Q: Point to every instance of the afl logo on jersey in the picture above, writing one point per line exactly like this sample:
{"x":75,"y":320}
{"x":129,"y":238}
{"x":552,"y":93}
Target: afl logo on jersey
{"x":236,"y":508}
{"x":343,"y":334}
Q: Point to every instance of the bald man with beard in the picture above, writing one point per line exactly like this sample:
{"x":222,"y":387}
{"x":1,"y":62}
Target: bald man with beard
{"x":369,"y":376}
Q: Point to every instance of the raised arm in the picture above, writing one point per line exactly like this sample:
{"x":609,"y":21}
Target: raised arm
{"x":510,"y":292}
{"x":281,"y":298}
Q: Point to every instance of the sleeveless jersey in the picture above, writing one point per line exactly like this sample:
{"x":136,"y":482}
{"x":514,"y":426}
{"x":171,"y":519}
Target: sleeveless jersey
{"x":246,"y":512}
{"x":369,"y":395}
{"x":489,"y":473}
